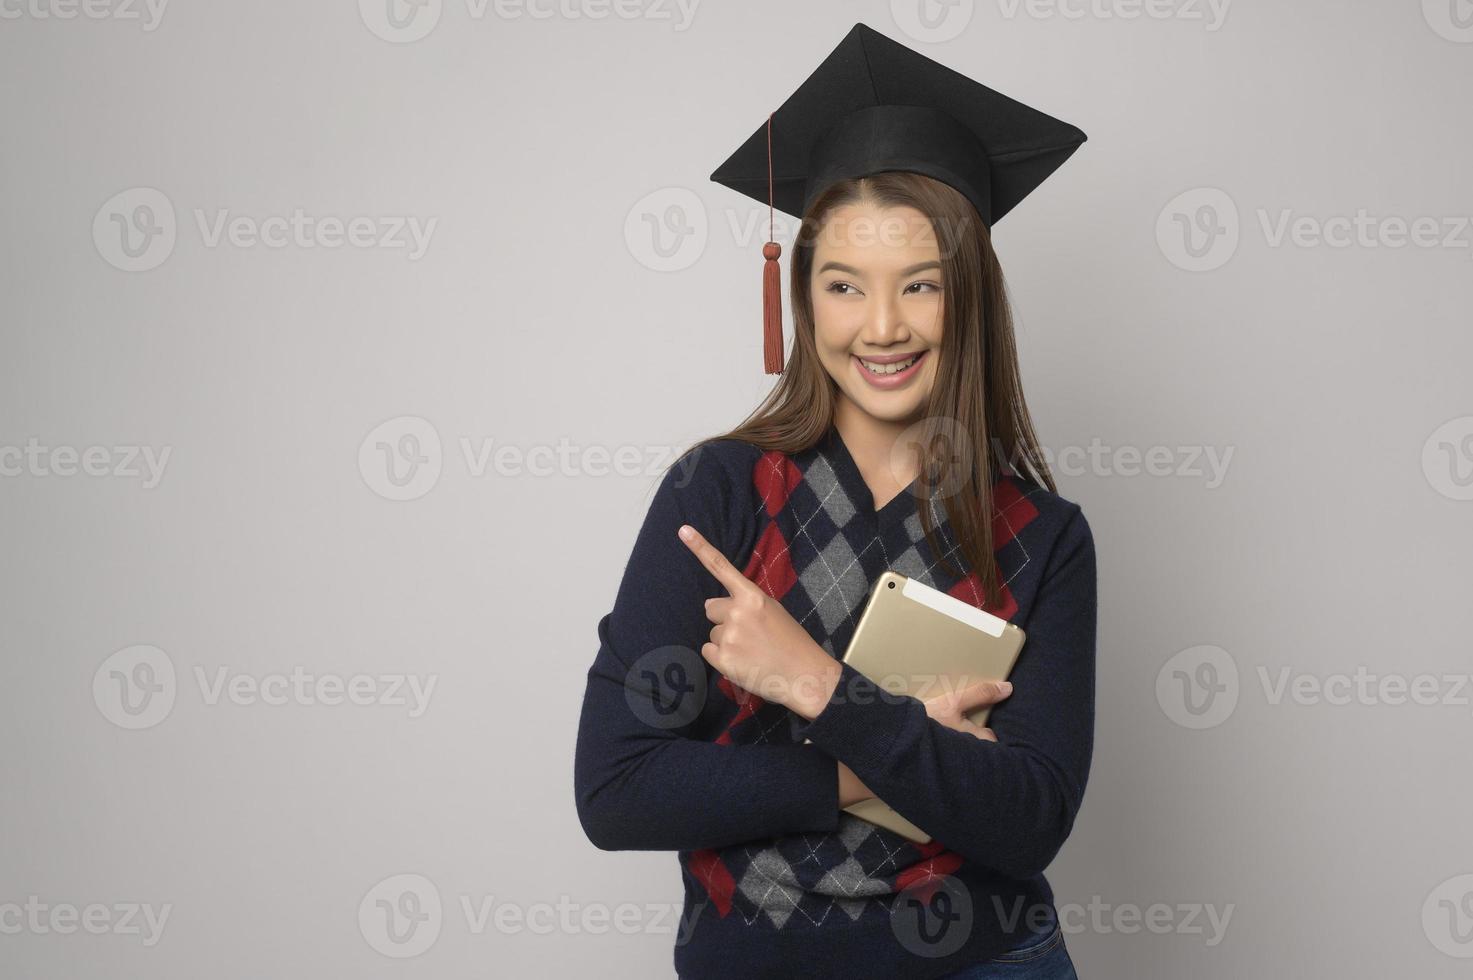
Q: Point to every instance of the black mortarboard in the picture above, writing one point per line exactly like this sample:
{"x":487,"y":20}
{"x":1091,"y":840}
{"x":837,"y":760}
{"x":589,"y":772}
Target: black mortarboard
{"x":875,"y":105}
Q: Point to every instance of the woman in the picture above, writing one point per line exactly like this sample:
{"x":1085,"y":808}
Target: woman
{"x":894,"y":429}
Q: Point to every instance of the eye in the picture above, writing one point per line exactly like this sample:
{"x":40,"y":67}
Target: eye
{"x":930,"y":285}
{"x":836,"y":285}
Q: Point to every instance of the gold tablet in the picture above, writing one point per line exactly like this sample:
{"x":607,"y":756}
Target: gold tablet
{"x":913,"y":639}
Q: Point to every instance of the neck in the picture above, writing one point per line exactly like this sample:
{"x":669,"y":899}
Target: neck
{"x":874,"y":444}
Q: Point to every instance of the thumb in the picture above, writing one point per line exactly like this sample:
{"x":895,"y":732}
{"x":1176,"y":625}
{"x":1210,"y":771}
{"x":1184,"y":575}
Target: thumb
{"x":982,"y":693}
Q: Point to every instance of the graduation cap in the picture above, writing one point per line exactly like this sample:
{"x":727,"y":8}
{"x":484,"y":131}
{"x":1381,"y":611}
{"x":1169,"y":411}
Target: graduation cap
{"x":875,"y":105}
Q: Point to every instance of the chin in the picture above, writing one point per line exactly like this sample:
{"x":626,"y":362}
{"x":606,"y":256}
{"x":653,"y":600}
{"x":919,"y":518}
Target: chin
{"x":893,"y":409}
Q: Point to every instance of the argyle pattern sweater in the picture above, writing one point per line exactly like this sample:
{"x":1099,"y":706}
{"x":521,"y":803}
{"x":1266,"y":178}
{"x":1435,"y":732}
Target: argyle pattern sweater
{"x":779,"y":881}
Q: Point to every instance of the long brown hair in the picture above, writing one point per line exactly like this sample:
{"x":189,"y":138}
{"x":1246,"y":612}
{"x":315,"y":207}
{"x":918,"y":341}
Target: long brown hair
{"x":976,"y":418}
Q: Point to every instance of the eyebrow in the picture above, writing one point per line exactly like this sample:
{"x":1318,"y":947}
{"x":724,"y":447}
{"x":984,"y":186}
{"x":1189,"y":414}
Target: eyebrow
{"x":908,"y":271}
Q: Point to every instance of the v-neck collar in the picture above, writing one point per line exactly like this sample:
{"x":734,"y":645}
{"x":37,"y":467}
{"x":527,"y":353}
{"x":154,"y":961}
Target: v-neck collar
{"x":847,"y":470}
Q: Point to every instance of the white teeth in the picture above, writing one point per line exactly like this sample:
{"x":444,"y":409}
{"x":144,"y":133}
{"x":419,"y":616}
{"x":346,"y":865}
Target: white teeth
{"x":888,"y":368}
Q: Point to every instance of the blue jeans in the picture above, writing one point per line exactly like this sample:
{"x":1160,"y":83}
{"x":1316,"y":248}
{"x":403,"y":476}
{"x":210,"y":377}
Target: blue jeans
{"x":1041,"y":957}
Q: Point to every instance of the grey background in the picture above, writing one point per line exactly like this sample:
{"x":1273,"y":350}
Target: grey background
{"x":1338,"y":538}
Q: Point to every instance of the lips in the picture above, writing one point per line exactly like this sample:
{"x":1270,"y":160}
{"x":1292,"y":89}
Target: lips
{"x":895,"y":362}
{"x":890,"y":378}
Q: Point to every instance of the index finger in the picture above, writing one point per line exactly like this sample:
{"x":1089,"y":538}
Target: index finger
{"x":726,"y":573}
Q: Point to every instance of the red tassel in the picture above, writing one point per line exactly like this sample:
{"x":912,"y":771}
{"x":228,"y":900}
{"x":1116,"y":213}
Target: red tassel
{"x":772,"y":309}
{"x":772,"y":294}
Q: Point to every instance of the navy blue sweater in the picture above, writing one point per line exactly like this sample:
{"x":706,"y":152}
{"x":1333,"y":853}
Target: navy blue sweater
{"x":779,"y":882}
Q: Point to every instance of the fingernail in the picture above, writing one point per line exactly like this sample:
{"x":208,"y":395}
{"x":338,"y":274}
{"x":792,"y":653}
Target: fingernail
{"x":1006,"y":687}
{"x":685,"y":532}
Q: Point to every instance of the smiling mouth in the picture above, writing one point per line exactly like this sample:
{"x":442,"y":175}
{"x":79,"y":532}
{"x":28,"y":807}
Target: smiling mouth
{"x":883,"y":368}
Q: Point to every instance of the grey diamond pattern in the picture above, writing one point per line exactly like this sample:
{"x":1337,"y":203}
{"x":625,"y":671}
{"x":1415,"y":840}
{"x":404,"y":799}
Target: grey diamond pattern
{"x":801,"y":879}
{"x":769,"y":883}
{"x":824,"y":482}
{"x":835,"y":583}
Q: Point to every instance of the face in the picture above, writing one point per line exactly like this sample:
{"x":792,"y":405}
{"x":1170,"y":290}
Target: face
{"x":877,"y":304}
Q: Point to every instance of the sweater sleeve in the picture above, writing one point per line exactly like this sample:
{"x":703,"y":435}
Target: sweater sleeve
{"x":1010,"y":804}
{"x":642,"y":780}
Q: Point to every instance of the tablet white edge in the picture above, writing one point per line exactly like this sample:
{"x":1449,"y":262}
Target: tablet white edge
{"x":953,"y":607}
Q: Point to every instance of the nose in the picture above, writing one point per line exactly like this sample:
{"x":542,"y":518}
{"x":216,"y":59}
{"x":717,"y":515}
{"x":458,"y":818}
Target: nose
{"x":886,"y":324}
